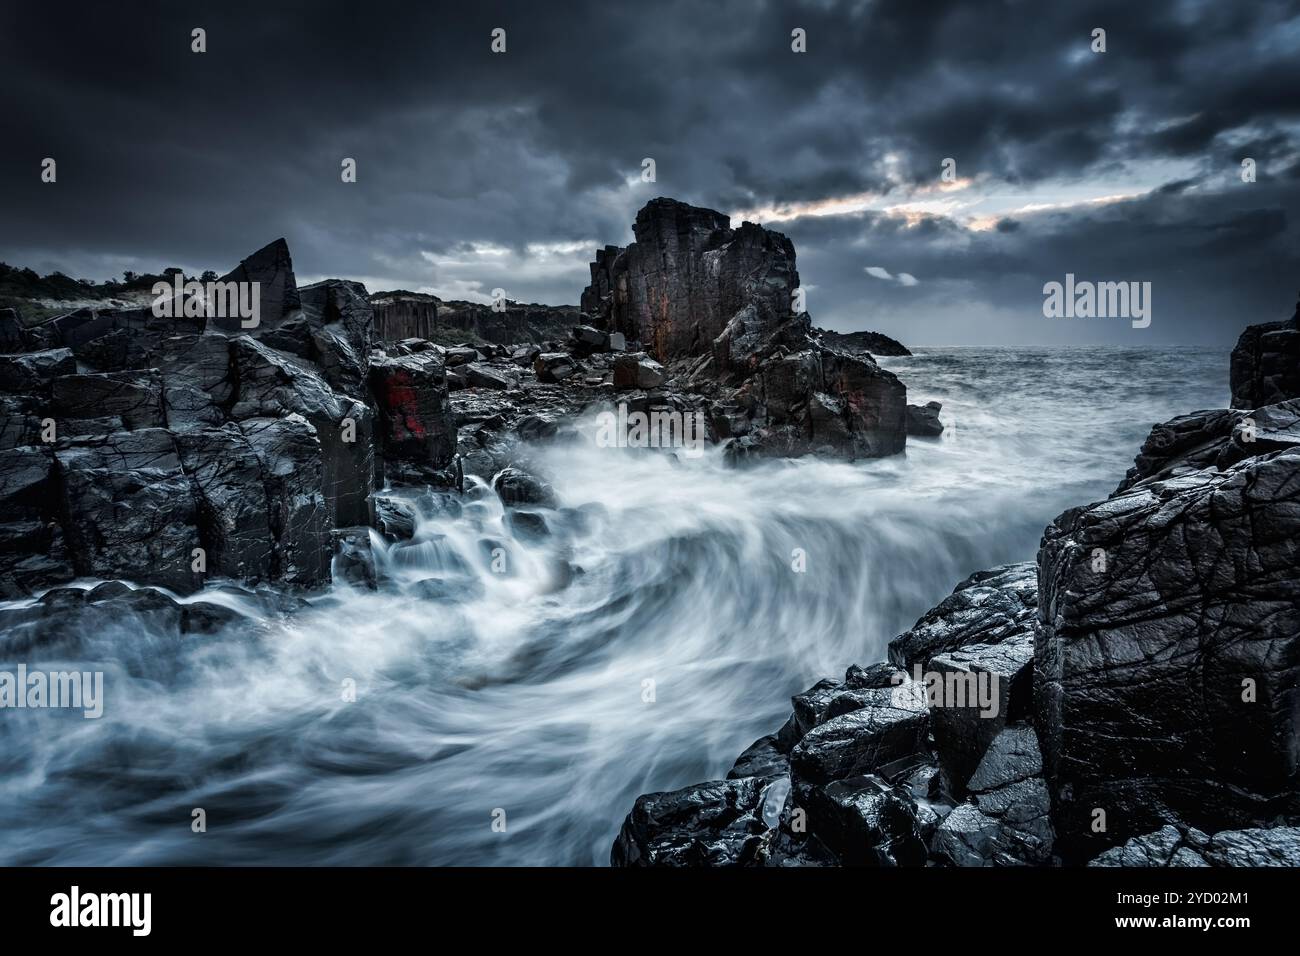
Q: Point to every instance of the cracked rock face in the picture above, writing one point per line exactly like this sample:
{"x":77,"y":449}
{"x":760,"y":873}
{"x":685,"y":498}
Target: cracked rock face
{"x":1168,"y":654}
{"x":1172,"y":847}
{"x":719,"y":303}
{"x":1266,"y":364}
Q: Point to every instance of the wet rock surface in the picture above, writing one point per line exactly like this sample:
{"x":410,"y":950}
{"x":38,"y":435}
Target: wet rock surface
{"x":1145,"y":672}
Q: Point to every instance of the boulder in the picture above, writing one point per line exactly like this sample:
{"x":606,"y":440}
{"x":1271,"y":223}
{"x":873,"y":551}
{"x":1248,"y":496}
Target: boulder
{"x":860,"y":741}
{"x":1166,"y":659}
{"x":712,"y":824}
{"x":1007,"y":822}
{"x":637,"y":370}
{"x":552,"y":367}
{"x":1266,"y":364}
{"x":923,"y":420}
{"x":989,"y":607}
{"x":415,"y":421}
{"x":31,"y":373}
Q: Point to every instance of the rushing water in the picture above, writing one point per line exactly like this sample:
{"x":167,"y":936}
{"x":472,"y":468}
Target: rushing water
{"x":524,"y":689}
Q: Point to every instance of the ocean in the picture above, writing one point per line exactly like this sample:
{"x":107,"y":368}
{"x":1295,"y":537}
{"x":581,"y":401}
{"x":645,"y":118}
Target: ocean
{"x":510,"y":712}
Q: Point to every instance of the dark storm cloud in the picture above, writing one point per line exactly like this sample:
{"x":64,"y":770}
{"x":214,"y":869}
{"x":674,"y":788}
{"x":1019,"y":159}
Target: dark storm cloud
{"x":478,"y":170}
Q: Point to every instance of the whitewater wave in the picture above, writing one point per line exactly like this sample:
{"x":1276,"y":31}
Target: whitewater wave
{"x":519,"y":680}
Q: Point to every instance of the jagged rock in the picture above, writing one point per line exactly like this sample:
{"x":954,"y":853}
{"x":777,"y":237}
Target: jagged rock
{"x":273,"y":383}
{"x":33,"y":552}
{"x":198,"y":380}
{"x":637,"y":370}
{"x":676,"y":287}
{"x":133,"y":397}
{"x":1266,"y":364}
{"x":873,"y":343}
{"x":1165,"y":847}
{"x":1183,"y":444}
{"x":289,"y":452}
{"x":1161,"y":611}
{"x":554,"y":367}
{"x":762,"y":758}
{"x":414,"y":412}
{"x":525,"y":355}
{"x":860,"y":741}
{"x":395,"y":518}
{"x":130,"y":507}
{"x":712,"y":824}
{"x":517,"y":487}
{"x":989,"y":607}
{"x":233,"y":513}
{"x":461,"y":355}
{"x":810,"y":706}
{"x":587,"y":340}
{"x":864,"y":821}
{"x":479,"y":375}
{"x":819,"y":401}
{"x":32,"y":372}
{"x":923,"y":420}
{"x":883,"y":674}
{"x":1008,"y":823}
{"x":963,"y":719}
{"x":338,"y":331}
{"x":272,"y":268}
{"x":1171,"y":847}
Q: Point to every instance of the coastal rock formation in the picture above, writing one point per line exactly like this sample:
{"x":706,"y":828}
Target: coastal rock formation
{"x":1266,"y":364}
{"x":178,"y":450}
{"x":717,"y":305}
{"x":414,"y":315}
{"x":1166,"y":663}
{"x":873,"y":343}
{"x":1146,"y":672}
{"x":923,"y":420}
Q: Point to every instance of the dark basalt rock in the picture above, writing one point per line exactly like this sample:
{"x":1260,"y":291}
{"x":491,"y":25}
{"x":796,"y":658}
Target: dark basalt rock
{"x":130,"y":508}
{"x":762,"y":758}
{"x":718,"y":303}
{"x":289,"y":453}
{"x":31,"y":373}
{"x":1145,"y":658}
{"x":923,"y":420}
{"x":989,"y":607}
{"x":1266,"y":364}
{"x":873,"y":343}
{"x":416,"y":426}
{"x":1007,"y":822}
{"x":517,"y":487}
{"x":135,"y":398}
{"x":861,"y":741}
{"x":712,"y":824}
{"x":1171,"y":847}
{"x":272,"y":268}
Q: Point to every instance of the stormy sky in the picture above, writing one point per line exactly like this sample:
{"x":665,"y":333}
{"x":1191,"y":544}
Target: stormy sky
{"x":478,"y":170}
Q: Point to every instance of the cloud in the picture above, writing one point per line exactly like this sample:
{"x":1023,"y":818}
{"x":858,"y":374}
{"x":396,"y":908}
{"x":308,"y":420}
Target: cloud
{"x":1116,"y":163}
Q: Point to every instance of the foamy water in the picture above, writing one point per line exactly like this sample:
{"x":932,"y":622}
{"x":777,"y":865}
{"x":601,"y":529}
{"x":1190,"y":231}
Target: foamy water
{"x":520,"y":681}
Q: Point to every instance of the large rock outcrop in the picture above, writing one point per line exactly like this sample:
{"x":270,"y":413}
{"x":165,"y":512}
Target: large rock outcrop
{"x":1168,"y":655}
{"x":717,"y":305}
{"x":1266,"y":364}
{"x":175,"y":450}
